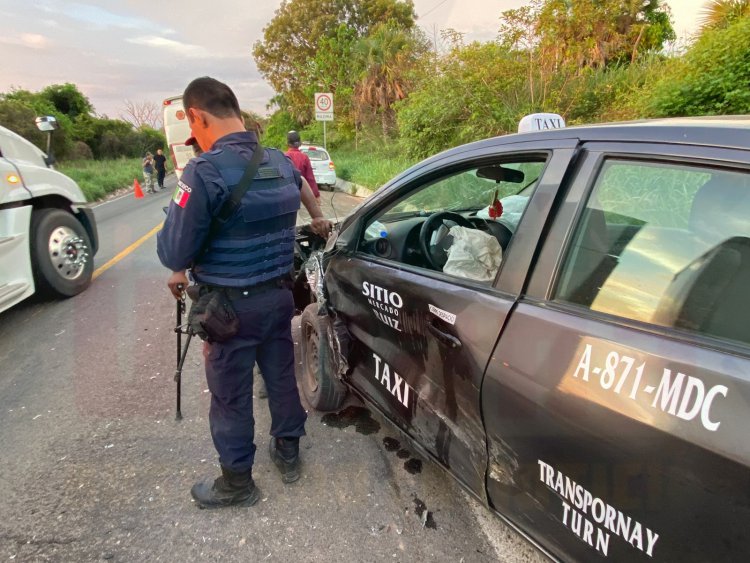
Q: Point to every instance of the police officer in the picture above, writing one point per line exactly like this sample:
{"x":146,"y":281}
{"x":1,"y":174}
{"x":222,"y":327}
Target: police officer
{"x":249,"y":258}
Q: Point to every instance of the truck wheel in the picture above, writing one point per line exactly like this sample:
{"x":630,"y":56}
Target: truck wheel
{"x":321,"y":388}
{"x":60,"y":253}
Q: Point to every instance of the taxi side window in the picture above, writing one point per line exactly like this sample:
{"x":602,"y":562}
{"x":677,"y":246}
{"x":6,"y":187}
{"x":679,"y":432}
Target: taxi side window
{"x":459,"y":224}
{"x":665,"y":244}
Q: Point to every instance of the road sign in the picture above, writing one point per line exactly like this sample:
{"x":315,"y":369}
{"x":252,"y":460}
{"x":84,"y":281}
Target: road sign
{"x":324,"y":106}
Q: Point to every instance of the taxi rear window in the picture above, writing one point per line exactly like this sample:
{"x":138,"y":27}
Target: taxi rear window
{"x":666,"y":244}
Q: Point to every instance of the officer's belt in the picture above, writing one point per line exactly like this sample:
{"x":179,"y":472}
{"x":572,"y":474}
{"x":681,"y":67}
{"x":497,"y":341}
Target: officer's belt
{"x":244,"y":292}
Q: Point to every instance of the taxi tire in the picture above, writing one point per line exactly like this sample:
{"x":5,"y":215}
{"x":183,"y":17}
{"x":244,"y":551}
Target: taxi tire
{"x":327,"y":393}
{"x":47,"y":280}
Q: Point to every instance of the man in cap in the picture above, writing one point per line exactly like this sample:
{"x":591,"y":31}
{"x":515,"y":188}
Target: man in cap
{"x":247,"y":258}
{"x":301,"y":161}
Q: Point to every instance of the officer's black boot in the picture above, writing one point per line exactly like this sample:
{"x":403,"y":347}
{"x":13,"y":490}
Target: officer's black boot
{"x":285,"y":454}
{"x":231,"y":489}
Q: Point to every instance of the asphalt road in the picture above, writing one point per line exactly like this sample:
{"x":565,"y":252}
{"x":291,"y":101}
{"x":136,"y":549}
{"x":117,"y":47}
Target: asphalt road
{"x":93,"y":465}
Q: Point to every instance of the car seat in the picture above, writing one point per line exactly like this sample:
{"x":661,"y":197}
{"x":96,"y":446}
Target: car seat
{"x":710,"y":295}
{"x":589,"y":264}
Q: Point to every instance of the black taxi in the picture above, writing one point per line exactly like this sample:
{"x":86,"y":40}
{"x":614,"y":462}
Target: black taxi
{"x":561,"y":320}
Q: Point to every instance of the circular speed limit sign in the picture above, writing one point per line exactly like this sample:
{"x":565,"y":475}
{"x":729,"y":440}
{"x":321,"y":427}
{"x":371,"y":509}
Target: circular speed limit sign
{"x":323,"y":102}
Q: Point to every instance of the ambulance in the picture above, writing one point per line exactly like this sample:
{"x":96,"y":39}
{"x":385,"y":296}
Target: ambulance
{"x":177,"y":130}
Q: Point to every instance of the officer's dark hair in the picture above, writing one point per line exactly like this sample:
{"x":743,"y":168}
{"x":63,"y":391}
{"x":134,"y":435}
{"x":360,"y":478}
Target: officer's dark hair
{"x":210,"y":95}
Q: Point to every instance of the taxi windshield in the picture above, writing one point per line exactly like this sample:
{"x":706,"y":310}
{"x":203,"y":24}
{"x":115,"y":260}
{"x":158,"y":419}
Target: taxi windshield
{"x":470,"y":190}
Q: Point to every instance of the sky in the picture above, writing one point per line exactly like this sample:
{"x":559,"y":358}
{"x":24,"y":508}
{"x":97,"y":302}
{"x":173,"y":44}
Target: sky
{"x":147,"y":50}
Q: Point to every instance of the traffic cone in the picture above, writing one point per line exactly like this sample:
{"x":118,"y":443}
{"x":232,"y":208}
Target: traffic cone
{"x":137,"y":188}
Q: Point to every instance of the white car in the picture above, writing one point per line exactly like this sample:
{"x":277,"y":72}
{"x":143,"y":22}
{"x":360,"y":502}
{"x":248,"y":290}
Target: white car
{"x":322,"y":165}
{"x":48,"y":235}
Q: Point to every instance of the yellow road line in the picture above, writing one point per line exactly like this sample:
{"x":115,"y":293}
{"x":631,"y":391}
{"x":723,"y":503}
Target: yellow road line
{"x":101,"y":269}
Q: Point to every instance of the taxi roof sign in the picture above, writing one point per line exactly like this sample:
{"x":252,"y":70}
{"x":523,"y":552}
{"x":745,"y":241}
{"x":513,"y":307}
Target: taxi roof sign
{"x":540,"y":122}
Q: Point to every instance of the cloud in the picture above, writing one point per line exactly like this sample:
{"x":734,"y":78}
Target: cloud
{"x":32,"y":40}
{"x":100,"y":18}
{"x":177,"y":47}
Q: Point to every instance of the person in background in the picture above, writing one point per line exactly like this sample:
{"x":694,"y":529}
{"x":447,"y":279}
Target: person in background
{"x":160,"y":163}
{"x":301,"y":161}
{"x":148,"y":173}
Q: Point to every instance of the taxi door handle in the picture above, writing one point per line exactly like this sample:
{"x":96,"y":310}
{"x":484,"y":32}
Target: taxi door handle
{"x":443,"y":337}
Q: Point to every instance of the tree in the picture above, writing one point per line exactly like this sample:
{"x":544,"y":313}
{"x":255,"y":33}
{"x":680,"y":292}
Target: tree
{"x":388,"y":55}
{"x":36,"y":105}
{"x":278,"y":125}
{"x":478,"y":91}
{"x":19,"y":118}
{"x":300,"y":27}
{"x":718,"y":14}
{"x":710,"y":79}
{"x":585,"y":34}
{"x":67,"y":99}
{"x":336,"y":68}
{"x":108,"y":138}
{"x":142,"y":113}
{"x":143,"y":139}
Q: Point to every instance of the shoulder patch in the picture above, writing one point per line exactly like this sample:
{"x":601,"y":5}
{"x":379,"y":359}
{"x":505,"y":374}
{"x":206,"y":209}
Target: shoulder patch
{"x":181,"y":194}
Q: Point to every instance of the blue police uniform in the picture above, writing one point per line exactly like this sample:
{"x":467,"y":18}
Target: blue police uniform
{"x":252,"y":251}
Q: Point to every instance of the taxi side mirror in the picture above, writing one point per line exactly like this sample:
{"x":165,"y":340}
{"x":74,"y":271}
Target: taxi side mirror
{"x":348,"y":235}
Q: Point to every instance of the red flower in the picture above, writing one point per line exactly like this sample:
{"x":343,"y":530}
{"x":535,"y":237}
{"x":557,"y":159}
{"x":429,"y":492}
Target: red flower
{"x":496,"y":208}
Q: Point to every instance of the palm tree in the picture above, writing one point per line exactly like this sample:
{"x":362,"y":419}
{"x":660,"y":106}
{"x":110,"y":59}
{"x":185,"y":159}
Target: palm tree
{"x":387,"y":56}
{"x":718,"y":14}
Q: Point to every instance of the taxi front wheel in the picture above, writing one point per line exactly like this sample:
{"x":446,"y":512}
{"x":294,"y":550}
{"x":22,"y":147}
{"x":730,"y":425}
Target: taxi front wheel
{"x":322,"y":389}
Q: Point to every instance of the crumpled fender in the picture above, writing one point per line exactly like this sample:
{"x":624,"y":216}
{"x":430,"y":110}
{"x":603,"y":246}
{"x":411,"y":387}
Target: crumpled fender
{"x":334,"y":336}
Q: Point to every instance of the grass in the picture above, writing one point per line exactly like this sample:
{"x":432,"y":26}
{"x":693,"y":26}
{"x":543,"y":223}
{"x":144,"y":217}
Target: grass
{"x":98,"y":178}
{"x":370,"y":168}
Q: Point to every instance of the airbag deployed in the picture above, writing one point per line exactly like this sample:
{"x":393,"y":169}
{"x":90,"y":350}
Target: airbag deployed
{"x":474,"y":255}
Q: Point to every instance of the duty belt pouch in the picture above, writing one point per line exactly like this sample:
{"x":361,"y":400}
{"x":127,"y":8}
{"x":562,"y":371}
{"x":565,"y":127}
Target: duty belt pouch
{"x":212,"y":316}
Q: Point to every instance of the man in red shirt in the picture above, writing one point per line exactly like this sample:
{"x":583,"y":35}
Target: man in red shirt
{"x":301,"y":161}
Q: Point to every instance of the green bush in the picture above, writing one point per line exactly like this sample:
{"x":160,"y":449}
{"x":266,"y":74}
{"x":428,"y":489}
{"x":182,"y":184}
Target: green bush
{"x":279,"y":124}
{"x":19,"y":118}
{"x":37,"y":105}
{"x":479,"y":91}
{"x":80,"y":151}
{"x":712,"y":78}
{"x":613,"y":93}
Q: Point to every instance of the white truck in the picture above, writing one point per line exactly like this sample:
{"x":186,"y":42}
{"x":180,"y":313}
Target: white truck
{"x":48,"y":234}
{"x":177,"y":131}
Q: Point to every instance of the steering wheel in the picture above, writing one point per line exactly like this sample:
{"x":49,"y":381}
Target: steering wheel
{"x":436,"y":253}
{"x":498,"y":230}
